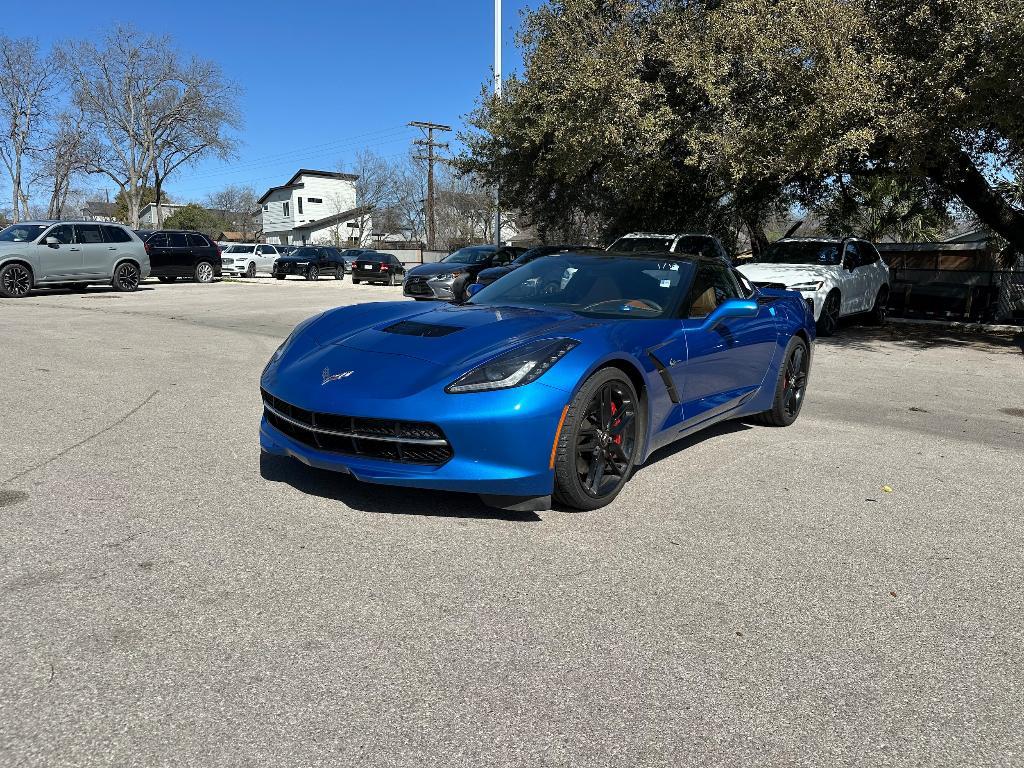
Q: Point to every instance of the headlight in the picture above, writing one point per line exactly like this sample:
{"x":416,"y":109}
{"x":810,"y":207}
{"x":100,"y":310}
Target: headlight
{"x":291,"y":337}
{"x":513,"y":369}
{"x":814,"y":286}
{"x":446,"y":276}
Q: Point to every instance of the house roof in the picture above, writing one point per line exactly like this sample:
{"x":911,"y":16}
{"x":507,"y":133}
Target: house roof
{"x":100,"y":207}
{"x":233,"y":237}
{"x":328,"y":221}
{"x":293,"y":184}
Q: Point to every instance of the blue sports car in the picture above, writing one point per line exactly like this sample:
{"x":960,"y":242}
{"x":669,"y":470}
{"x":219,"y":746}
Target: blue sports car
{"x":556,"y":380}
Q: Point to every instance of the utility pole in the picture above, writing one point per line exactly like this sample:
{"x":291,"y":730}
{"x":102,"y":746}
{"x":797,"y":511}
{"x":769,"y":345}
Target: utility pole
{"x":431,"y":158}
{"x":497,"y":95}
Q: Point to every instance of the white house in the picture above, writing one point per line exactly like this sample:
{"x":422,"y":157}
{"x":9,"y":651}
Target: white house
{"x":313,"y":207}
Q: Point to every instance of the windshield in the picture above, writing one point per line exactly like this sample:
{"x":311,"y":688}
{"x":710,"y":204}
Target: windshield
{"x":597,"y":286}
{"x":21,"y":233}
{"x":472,"y":255}
{"x":642,"y":244}
{"x":241,"y":249}
{"x":302,"y":253}
{"x":802,"y":252}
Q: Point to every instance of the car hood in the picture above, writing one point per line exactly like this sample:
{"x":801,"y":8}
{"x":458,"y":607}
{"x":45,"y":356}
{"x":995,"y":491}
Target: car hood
{"x":292,"y":260}
{"x":788,"y":274}
{"x":440,"y":268}
{"x":493,"y":273}
{"x":396,"y":349}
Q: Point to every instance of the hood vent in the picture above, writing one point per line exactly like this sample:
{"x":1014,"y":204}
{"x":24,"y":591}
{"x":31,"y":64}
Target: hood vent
{"x":427,"y":330}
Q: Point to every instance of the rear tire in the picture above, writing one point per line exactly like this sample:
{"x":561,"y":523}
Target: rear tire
{"x":203,"y":272}
{"x":279,"y":277}
{"x":828,"y":320}
{"x":15,"y":281}
{"x":599,"y":441}
{"x":126,"y":277}
{"x":790,"y":386}
{"x":877,"y":314}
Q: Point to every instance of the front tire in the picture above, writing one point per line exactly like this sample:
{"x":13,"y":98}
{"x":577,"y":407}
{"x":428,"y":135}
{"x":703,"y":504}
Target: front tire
{"x":339,"y":274}
{"x":279,"y":277}
{"x":312,"y":273}
{"x":599,"y":441}
{"x":126,"y":277}
{"x":203,"y":272}
{"x":790,"y":386}
{"x":251,"y":270}
{"x":15,"y":281}
{"x":877,"y":314}
{"x":828,"y":320}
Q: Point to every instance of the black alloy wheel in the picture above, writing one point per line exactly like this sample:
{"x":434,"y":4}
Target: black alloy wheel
{"x":598,"y":443}
{"x":126,"y":277}
{"x":15,"y":281}
{"x":791,"y":385}
{"x":828,"y":320}
{"x":251,"y":270}
{"x":877,"y":315}
{"x":312,"y":273}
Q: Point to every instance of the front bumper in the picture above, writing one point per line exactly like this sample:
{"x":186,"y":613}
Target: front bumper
{"x":428,"y":288}
{"x":500,"y":441}
{"x":234,"y":269}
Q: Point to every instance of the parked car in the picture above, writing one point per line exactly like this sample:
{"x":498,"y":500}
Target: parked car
{"x":685,"y":243}
{"x":836,"y":277}
{"x":72,"y":254}
{"x":246,"y":259}
{"x":376,"y":267}
{"x":174,"y":254}
{"x":350,"y":255}
{"x":448,"y":279}
{"x":310,"y":261}
{"x":581,"y":366}
{"x":488,"y":276}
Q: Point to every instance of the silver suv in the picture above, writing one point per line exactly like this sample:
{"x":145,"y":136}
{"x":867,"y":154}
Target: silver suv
{"x":71,"y":254}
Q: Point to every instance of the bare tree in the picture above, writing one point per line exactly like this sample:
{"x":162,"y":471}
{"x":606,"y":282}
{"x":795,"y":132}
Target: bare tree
{"x":238,"y":203}
{"x":145,"y":106}
{"x":69,"y":152}
{"x":27,"y":81}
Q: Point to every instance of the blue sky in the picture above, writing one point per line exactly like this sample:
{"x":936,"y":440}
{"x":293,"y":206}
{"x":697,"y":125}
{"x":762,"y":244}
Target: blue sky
{"x":321,"y":79}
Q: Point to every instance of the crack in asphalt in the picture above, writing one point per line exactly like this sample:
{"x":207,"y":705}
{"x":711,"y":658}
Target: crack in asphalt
{"x":83,"y":441}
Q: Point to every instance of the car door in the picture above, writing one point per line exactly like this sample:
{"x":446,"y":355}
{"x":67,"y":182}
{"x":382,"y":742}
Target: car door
{"x":179,"y":254}
{"x":265,"y":257}
{"x":62,"y":259}
{"x":876,"y":274}
{"x":159,"y":251}
{"x":723,"y":366}
{"x":854,"y":280}
{"x":96,"y":252}
{"x":202,"y":250}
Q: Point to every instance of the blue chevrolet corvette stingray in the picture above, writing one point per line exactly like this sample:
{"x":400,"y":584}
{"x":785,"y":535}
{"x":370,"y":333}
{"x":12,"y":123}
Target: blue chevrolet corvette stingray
{"x":556,"y":380}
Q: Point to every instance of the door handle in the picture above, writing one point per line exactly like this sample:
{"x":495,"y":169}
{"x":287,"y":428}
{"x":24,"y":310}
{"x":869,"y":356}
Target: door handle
{"x":112,"y":248}
{"x":74,"y":249}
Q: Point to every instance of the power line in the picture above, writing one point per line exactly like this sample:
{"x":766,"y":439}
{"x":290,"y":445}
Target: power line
{"x":431,"y":145}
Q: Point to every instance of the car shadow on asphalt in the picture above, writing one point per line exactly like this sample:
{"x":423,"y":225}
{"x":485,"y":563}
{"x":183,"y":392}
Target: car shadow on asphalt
{"x":718,"y":430}
{"x":384,"y":499}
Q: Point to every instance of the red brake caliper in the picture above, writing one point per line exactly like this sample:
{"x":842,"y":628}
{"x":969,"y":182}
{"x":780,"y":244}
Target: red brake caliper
{"x":618,"y":438}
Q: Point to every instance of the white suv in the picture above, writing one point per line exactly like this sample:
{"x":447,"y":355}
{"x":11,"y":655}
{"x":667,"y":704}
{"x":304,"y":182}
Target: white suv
{"x":70,"y":254}
{"x":246,"y":259}
{"x":835,"y":277}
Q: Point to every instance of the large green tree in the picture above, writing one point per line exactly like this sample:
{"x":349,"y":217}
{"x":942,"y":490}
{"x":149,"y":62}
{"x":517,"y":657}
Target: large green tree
{"x":678,"y":114}
{"x":194,"y":217}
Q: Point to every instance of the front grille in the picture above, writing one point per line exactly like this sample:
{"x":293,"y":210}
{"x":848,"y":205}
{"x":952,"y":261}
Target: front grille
{"x":419,"y":286}
{"x":409,"y":442}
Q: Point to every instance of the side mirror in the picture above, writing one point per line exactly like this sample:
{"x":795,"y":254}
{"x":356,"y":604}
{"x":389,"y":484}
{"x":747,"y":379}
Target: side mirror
{"x":474,"y":289}
{"x":731,"y":308}
{"x":51,"y":240}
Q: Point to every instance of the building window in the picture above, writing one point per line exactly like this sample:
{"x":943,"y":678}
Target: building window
{"x":285,"y":206}
{"x":266,"y":207}
{"x":314,"y":200}
{"x":300,"y":206}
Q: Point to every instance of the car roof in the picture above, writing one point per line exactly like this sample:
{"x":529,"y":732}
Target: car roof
{"x":674,"y":235}
{"x":47,"y":222}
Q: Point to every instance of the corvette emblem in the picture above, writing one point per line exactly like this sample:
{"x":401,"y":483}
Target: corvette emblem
{"x":329,"y":377}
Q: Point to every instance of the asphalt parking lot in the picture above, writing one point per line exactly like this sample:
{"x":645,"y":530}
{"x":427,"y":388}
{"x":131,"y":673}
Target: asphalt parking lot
{"x":847,"y":591}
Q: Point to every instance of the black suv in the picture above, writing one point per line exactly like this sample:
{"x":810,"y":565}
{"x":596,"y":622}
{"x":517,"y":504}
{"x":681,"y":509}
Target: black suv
{"x":376,"y":267}
{"x":310,"y":261}
{"x":488,"y":276}
{"x":174,"y":253}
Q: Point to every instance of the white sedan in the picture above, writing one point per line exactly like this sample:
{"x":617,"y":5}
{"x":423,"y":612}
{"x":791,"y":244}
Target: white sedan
{"x":246,"y":259}
{"x":836,"y":277}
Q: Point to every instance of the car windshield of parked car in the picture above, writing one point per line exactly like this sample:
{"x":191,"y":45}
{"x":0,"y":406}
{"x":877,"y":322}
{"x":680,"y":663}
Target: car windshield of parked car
{"x":21,"y":233}
{"x":241,"y":249}
{"x":303,"y":253}
{"x":695,"y":245}
{"x":595,"y":286}
{"x":802,"y":252}
{"x":471,"y":255}
{"x":641,"y":245}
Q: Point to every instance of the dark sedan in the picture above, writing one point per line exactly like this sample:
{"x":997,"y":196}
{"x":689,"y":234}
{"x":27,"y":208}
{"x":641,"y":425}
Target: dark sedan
{"x":448,"y":279}
{"x":174,"y":254}
{"x":488,"y":276}
{"x":376,"y":267}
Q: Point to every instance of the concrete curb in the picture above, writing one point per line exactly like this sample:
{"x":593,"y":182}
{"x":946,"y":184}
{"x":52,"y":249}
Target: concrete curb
{"x":959,"y":325}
